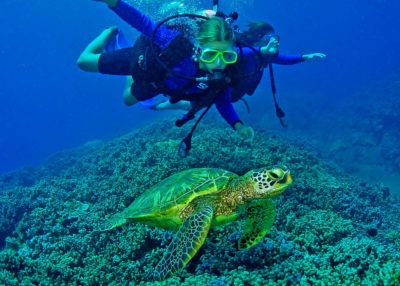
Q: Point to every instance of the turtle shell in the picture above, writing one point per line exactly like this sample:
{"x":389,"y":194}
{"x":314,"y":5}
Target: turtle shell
{"x":160,"y":205}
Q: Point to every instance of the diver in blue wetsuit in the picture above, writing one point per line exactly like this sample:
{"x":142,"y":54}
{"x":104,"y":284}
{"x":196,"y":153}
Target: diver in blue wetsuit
{"x":217,"y":43}
{"x":216,"y":56}
{"x":258,"y":34}
{"x":263,"y":34}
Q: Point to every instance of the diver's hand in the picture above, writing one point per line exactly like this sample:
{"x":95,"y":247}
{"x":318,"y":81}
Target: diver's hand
{"x":110,"y":3}
{"x":271,"y":48}
{"x":314,"y":55}
{"x":245,"y":131}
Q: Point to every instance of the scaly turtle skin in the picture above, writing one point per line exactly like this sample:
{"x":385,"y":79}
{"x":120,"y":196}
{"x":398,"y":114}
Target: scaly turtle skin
{"x":192,"y":201}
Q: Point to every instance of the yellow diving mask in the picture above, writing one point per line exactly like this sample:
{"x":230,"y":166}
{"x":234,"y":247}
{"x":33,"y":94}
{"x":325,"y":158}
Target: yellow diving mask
{"x":209,"y":55}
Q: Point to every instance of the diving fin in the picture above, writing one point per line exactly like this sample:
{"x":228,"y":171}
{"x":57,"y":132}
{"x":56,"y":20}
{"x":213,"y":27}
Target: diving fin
{"x":117,"y":43}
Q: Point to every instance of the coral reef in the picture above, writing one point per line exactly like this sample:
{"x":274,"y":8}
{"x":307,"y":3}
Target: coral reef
{"x":358,"y":130}
{"x":330,"y":229}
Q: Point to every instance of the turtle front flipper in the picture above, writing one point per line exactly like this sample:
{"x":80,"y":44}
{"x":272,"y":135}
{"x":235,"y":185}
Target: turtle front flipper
{"x":185,"y":244}
{"x":259,"y":220}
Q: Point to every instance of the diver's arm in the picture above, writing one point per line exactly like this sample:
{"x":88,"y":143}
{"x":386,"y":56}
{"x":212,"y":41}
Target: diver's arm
{"x":295,"y":59}
{"x":140,"y":21}
{"x":286,"y":59}
{"x":134,"y":17}
{"x":226,"y":109}
{"x":89,"y":58}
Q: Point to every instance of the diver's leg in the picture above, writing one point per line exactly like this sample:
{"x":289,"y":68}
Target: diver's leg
{"x":129,"y":99}
{"x":139,"y":93}
{"x":89,"y":58}
{"x":183,"y":104}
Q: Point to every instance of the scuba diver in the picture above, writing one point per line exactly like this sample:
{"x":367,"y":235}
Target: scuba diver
{"x":199,"y":74}
{"x":262,"y":34}
{"x":257,"y":34}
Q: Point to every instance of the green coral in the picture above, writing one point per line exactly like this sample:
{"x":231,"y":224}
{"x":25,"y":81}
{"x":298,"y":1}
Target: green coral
{"x":318,"y":228}
{"x":51,"y":228}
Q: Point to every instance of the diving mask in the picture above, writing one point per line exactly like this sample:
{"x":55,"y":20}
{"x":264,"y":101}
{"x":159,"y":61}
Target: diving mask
{"x":210,"y":55}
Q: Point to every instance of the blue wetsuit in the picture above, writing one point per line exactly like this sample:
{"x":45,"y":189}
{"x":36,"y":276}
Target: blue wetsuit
{"x":120,"y":62}
{"x":249,"y":85}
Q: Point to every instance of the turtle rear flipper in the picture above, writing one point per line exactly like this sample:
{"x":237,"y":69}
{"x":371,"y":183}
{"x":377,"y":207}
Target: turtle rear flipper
{"x":113,"y":222}
{"x":259,"y":220}
{"x":185,"y":244}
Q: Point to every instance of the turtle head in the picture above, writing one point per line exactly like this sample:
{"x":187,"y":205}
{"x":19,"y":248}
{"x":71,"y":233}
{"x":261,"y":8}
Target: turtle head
{"x":270,"y":182}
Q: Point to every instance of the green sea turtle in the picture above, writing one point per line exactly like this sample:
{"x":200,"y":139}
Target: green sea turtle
{"x":192,"y":201}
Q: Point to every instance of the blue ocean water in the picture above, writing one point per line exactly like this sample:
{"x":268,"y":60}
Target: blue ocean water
{"x":47,"y":104}
{"x":343,"y":110}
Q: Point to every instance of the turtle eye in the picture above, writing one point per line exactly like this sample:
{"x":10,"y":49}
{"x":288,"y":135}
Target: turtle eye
{"x":275,"y":174}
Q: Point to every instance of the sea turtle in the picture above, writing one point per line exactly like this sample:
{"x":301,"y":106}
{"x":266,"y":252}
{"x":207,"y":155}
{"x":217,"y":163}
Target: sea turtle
{"x":192,"y":201}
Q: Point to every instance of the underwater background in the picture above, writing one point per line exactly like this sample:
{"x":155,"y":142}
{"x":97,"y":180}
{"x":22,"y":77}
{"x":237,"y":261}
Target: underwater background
{"x":71,"y":154}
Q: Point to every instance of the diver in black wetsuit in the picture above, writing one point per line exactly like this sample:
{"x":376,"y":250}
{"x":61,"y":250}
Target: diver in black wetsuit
{"x":218,"y":54}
